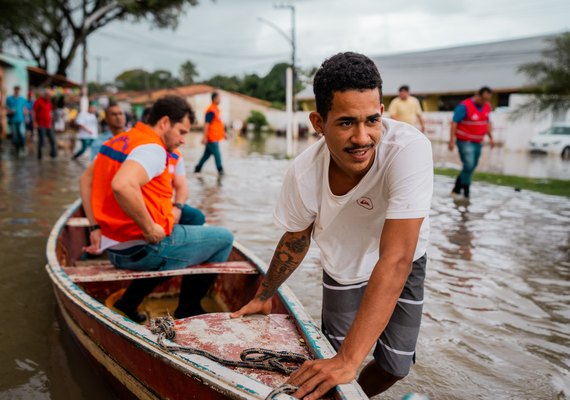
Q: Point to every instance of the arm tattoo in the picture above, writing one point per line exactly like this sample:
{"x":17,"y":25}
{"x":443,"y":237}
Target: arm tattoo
{"x":288,"y":255}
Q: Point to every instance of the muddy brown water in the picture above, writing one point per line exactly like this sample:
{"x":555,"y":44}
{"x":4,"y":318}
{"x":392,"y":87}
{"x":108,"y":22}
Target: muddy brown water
{"x":497,"y":313}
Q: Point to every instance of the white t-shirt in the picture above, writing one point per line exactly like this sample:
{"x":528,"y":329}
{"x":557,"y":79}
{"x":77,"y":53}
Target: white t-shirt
{"x":347,"y":228}
{"x":88,"y":120}
{"x":180,"y":168}
{"x":152,"y":158}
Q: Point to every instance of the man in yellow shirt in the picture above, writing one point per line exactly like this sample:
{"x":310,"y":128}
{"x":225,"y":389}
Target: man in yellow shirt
{"x":406,"y":108}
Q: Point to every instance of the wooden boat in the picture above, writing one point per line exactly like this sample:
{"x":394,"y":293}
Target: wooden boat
{"x":130,"y":354}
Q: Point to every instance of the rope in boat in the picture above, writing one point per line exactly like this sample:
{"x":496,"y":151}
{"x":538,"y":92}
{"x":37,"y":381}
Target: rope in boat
{"x":256,"y":357}
{"x":286,"y":389}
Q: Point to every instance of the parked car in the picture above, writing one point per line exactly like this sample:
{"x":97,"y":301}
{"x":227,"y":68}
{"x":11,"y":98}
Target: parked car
{"x":555,"y":140}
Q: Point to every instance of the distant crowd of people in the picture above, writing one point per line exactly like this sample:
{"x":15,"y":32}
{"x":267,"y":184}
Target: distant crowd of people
{"x":45,"y":117}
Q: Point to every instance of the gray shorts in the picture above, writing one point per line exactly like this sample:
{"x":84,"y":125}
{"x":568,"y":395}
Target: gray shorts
{"x":396,"y":347}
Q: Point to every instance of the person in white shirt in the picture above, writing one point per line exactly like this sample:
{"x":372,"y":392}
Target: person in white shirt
{"x":363,"y":193}
{"x":88,"y":129}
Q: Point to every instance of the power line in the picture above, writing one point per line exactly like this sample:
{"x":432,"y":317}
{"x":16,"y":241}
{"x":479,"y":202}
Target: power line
{"x":169,"y":48}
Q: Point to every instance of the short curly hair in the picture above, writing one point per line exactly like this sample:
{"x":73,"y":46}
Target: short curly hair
{"x":342,"y":72}
{"x":174,"y":107}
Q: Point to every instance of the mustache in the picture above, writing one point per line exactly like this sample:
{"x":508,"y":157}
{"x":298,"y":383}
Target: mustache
{"x":356,"y":147}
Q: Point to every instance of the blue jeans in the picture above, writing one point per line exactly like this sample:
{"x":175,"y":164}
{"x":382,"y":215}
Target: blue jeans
{"x":18,"y":132}
{"x":85,"y":144}
{"x":48,"y":132}
{"x":186,"y":245}
{"x":469,"y":152}
{"x":191,"y":216}
{"x":212,"y":148}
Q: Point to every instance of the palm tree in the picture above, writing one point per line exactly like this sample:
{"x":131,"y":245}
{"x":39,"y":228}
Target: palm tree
{"x":551,"y":80}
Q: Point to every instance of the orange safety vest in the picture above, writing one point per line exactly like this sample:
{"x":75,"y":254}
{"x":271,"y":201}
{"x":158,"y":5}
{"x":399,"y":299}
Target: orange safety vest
{"x":157,"y":193}
{"x":216,"y":127}
{"x":173,"y":159}
{"x":474,"y":127}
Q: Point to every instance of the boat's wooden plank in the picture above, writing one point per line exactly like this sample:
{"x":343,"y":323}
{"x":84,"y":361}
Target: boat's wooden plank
{"x":78,"y":222}
{"x":227,"y":338}
{"x":100,"y":271}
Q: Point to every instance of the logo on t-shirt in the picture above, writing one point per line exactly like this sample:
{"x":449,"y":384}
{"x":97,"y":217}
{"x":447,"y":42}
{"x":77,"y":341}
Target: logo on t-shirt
{"x":365,"y":202}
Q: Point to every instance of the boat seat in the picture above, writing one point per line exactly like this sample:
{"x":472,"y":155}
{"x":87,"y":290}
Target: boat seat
{"x":78,"y":222}
{"x":104,"y":271}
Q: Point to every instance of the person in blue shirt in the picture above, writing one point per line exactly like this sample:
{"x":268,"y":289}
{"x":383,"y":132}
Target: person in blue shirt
{"x":115,"y":119}
{"x":16,"y":109}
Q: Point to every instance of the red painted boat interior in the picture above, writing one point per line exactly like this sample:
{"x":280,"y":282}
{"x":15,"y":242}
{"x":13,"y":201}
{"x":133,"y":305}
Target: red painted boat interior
{"x":227,"y":338}
{"x":215,"y":331}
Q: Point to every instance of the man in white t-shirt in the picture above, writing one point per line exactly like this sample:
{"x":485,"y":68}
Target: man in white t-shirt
{"x":363,"y":193}
{"x":88,"y":129}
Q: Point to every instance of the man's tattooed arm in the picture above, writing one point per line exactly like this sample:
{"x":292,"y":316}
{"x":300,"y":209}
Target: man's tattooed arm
{"x":289,"y":253}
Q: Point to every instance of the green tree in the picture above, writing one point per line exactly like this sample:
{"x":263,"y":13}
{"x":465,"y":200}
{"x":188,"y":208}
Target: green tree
{"x":96,"y":87}
{"x":188,"y":73}
{"x":229,"y":83}
{"x":134,"y":79}
{"x":139,"y":79}
{"x":54,"y":29}
{"x":270,"y":87}
{"x":257,"y":118}
{"x":551,"y":79}
{"x":161,"y":79}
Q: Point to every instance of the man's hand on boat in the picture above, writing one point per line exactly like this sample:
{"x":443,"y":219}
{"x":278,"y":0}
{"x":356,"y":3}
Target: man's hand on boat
{"x":95,"y":246}
{"x":315,"y":378}
{"x":255,"y":306}
{"x":154,"y":233}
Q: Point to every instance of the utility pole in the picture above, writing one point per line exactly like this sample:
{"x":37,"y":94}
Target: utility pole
{"x":99,"y":59}
{"x":293,"y":42}
{"x":292,"y":127}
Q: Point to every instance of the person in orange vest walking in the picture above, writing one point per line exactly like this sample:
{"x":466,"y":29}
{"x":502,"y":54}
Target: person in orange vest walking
{"x":470,"y":125}
{"x":214,"y":132}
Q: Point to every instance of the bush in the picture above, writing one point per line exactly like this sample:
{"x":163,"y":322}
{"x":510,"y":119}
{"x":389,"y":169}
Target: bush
{"x":258,"y":120}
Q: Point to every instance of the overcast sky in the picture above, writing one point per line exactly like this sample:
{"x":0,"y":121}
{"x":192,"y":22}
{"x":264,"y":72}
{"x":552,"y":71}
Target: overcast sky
{"x":227,"y":37}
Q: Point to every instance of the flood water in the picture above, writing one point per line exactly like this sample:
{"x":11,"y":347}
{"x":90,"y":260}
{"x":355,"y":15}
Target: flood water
{"x":497,"y":308}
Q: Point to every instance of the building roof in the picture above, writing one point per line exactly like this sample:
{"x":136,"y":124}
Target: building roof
{"x":183,"y":91}
{"x":40,"y":77}
{"x":255,"y":100}
{"x":462,"y":69}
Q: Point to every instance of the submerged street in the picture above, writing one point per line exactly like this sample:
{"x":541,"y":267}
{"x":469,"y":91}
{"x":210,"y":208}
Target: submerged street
{"x":496,"y":311}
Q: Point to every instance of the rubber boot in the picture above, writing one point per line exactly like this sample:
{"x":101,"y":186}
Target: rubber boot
{"x":135,"y":294}
{"x":192,"y":289}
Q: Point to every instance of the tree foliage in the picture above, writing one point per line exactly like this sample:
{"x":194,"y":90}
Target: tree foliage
{"x":551,"y":79}
{"x":229,"y":83}
{"x":43,"y":28}
{"x":270,"y":87}
{"x":257,"y":118}
{"x":188,"y":73}
{"x":140,"y":80}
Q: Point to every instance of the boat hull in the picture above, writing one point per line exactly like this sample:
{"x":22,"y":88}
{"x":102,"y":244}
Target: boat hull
{"x":131,"y":354}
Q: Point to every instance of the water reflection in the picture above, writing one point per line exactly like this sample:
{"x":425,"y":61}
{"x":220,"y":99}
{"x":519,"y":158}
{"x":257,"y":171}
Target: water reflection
{"x":497,"y":306}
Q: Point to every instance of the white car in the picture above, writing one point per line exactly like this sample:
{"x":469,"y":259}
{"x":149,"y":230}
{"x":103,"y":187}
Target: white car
{"x":555,"y":139}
